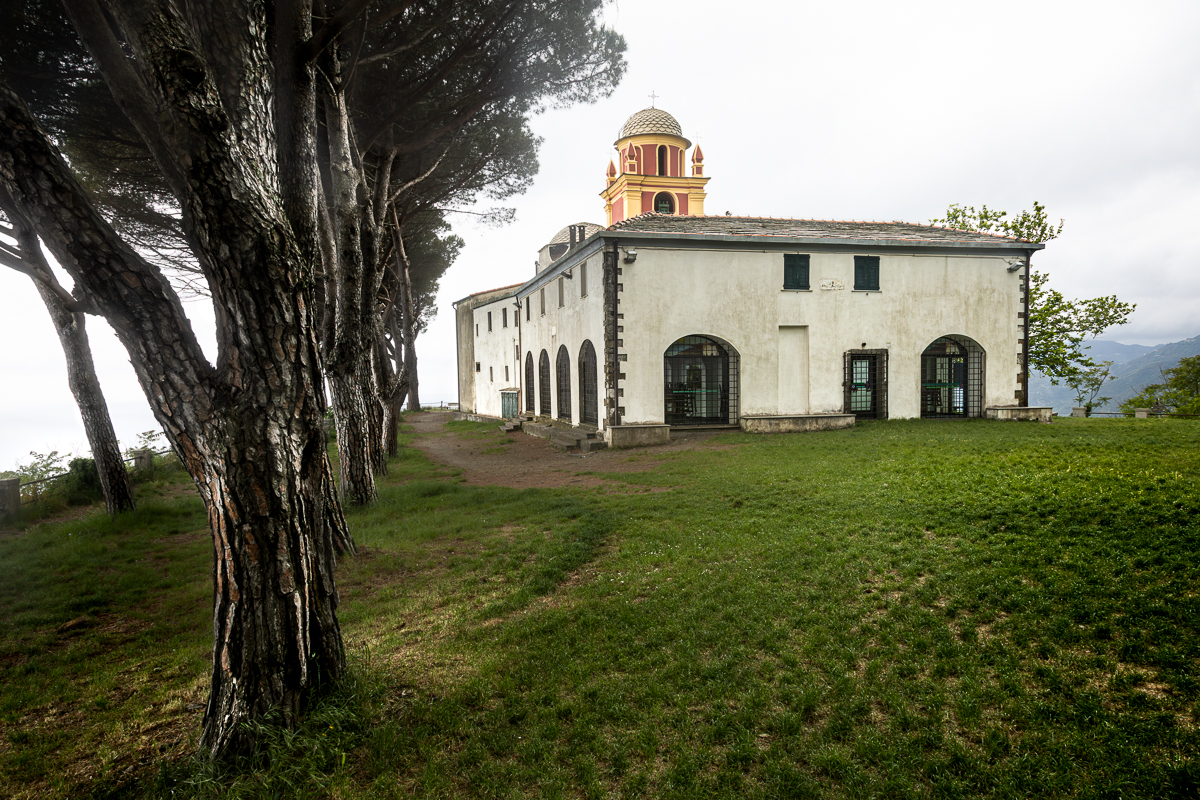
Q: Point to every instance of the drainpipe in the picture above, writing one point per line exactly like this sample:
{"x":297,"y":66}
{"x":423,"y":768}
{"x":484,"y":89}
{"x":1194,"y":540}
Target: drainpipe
{"x":520,"y":358}
{"x":1025,"y":338}
{"x":616,"y":375}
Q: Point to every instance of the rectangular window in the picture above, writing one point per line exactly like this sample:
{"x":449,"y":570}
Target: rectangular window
{"x":476,"y":328}
{"x":506,"y":374}
{"x":866,"y":273}
{"x":528,"y":305}
{"x":583,"y":279}
{"x":491,"y":377}
{"x":543,"y":301}
{"x":562,"y":282}
{"x":504,"y":318}
{"x":478,"y":368}
{"x":795,"y":271}
{"x":489,"y":322}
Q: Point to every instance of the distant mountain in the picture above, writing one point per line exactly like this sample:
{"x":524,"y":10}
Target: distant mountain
{"x":1135,"y":366}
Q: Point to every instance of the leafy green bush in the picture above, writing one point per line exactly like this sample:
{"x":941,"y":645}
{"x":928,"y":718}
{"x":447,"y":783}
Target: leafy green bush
{"x":81,"y":484}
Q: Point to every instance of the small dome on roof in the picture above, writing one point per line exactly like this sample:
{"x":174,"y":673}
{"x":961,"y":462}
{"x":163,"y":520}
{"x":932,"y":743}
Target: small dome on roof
{"x":651,"y":120}
{"x":564,"y":236}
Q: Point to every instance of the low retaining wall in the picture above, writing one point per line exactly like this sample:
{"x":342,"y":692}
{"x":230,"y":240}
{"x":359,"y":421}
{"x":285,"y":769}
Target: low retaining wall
{"x":796,"y":423}
{"x":1019,"y":413}
{"x":619,"y":436}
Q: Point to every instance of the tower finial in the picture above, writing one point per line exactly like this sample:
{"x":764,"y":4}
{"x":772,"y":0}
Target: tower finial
{"x":653,"y":97}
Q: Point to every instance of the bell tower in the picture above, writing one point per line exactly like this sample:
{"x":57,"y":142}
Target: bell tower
{"x":648,"y":174}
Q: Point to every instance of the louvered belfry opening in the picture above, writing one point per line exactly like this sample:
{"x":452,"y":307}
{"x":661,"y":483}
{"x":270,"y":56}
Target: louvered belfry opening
{"x":700,"y":382}
{"x":952,"y":379}
{"x":563,"y":367}
{"x":529,"y":383}
{"x":865,"y":384}
{"x":589,"y":398}
{"x":544,"y":384}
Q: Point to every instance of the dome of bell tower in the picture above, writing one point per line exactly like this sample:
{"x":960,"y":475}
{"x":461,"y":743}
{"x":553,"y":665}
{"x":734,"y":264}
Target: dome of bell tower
{"x":651,"y":121}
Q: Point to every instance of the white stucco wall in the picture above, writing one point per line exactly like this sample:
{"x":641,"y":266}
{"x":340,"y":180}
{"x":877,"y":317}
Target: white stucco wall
{"x":580,"y":318}
{"x":494,"y":351}
{"x":791,"y":343}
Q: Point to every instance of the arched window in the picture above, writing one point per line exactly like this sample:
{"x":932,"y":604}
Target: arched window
{"x":952,"y":378}
{"x":662,"y":159}
{"x":589,"y":399}
{"x":544,"y":384}
{"x":664,"y":203}
{"x":529,"y":383}
{"x":701,"y":382}
{"x":563,"y":368}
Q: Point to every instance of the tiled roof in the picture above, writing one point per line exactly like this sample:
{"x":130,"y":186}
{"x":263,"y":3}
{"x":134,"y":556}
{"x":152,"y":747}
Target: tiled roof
{"x":489,"y":296}
{"x":650,"y":120}
{"x":810,"y":229}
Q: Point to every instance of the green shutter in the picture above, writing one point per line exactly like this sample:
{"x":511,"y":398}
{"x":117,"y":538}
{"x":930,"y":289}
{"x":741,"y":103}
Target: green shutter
{"x":795,"y":271}
{"x":866,"y":273}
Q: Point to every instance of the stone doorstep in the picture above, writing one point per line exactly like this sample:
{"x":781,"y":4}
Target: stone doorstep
{"x":584,"y":441}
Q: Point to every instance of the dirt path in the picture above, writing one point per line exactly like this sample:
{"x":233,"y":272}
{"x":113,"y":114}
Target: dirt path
{"x":532,"y":462}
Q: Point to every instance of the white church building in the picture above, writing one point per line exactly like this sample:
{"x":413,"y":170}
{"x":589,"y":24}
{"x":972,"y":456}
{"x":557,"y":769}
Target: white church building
{"x":667,"y":318}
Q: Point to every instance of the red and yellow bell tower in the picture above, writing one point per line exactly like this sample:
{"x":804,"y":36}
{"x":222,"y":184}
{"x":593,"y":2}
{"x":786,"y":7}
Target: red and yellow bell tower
{"x":649,"y":173}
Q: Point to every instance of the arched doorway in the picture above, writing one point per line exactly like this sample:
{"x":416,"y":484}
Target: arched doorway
{"x":589,"y":398}
{"x":544,"y":384}
{"x":700,"y":382}
{"x":952,"y":379}
{"x":563,"y":368}
{"x":664,"y":203}
{"x":529,"y":390}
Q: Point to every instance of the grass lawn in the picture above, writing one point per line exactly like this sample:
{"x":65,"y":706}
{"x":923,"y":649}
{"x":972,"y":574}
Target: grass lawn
{"x":905,"y":609}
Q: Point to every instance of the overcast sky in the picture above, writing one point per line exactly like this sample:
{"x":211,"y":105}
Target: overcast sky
{"x":864,"y":111}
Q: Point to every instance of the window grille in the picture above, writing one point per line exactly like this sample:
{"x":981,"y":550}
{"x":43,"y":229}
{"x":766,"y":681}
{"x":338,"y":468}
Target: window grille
{"x":952,"y":372}
{"x":795,"y":271}
{"x":866,"y":273}
{"x":563,"y":366}
{"x":529,"y":382}
{"x":589,"y":399}
{"x":544,"y":384}
{"x":865,"y":384}
{"x":701,"y":382}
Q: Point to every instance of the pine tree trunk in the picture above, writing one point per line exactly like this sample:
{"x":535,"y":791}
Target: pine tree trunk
{"x":249,"y":431}
{"x":354,"y":441}
{"x":85,"y":386}
{"x":81,"y":373}
{"x":275,"y":631}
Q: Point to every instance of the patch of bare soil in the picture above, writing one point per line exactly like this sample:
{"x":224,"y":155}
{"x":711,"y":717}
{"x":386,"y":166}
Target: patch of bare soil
{"x":531,"y":462}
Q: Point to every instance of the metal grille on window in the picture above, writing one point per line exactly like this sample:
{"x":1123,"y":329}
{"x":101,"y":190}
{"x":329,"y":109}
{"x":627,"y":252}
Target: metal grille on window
{"x":589,"y":398}
{"x":563,"y":368}
{"x":544,"y":384}
{"x":529,"y":382}
{"x":865,"y":384}
{"x":701,"y":382}
{"x":952,"y":379}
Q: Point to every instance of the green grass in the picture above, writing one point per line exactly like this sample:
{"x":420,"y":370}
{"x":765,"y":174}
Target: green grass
{"x":905,"y":609}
